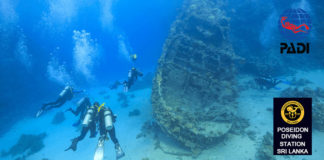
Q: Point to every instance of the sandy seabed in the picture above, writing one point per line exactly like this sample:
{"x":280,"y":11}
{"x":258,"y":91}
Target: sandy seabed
{"x":253,"y":105}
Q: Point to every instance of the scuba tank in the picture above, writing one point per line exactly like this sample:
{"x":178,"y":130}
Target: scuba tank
{"x":88,"y":117}
{"x":66,"y":89}
{"x":108,"y":119}
{"x":130,"y":73}
{"x":84,"y":101}
{"x":81,"y":101}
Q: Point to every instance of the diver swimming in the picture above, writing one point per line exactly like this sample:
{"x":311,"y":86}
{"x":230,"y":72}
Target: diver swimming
{"x":132,"y":77}
{"x":65,"y":95}
{"x":82,"y":105}
{"x":104,"y":118}
{"x":268,"y":82}
{"x":133,"y":57}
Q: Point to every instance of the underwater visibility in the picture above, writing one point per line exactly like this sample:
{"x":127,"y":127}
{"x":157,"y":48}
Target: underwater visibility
{"x":161,"y":80}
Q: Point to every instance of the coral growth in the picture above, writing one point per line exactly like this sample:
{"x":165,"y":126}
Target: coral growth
{"x":58,"y":118}
{"x":27,"y":145}
{"x":122,"y":97}
{"x":135,"y":112}
{"x":265,"y":150}
{"x":194,"y":90}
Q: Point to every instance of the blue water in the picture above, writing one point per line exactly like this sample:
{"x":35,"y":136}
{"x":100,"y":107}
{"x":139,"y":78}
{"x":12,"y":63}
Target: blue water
{"x":48,"y":44}
{"x":44,"y":29}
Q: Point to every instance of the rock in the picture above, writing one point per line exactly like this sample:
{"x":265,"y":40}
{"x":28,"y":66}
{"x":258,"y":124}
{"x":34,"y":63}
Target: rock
{"x":122,"y":97}
{"x":265,"y":151}
{"x":251,"y":135}
{"x":300,"y":82}
{"x":58,"y":118}
{"x":27,"y":145}
{"x":115,"y":85}
{"x":135,"y":112}
{"x":239,"y":126}
{"x":194,"y":90}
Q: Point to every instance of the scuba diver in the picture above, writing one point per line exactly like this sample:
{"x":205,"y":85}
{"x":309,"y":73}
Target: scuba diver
{"x":66,"y":95}
{"x":125,"y":84}
{"x":128,"y":83}
{"x":133,"y":57}
{"x":132,"y":77}
{"x":268,"y":82}
{"x":82,"y":105}
{"x":105,"y":119}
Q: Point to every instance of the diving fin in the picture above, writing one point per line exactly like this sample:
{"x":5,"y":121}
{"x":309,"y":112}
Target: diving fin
{"x":39,"y":113}
{"x":119,"y":152}
{"x":73,"y":145}
{"x":99,"y":154}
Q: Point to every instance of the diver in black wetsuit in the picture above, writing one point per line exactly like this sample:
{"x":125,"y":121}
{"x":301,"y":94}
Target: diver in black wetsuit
{"x":106,"y":125}
{"x":132,"y":77}
{"x":82,"y":106}
{"x":105,"y":119}
{"x":66,"y":95}
{"x":89,"y":123}
{"x":267,"y":82}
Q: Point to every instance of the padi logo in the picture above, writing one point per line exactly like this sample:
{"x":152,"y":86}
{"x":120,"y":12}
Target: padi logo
{"x":295,"y":25}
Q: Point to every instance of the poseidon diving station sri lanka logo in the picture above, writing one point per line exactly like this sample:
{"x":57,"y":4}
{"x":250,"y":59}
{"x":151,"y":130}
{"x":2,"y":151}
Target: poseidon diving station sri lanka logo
{"x":292,"y":126}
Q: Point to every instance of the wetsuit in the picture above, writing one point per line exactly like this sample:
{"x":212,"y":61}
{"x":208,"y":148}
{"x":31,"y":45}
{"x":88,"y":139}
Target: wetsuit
{"x":89,"y":124}
{"x":102,"y":128}
{"x":66,"y":95}
{"x":82,"y":106}
{"x":95,"y":117}
{"x":112,"y":134}
{"x":132,"y":77}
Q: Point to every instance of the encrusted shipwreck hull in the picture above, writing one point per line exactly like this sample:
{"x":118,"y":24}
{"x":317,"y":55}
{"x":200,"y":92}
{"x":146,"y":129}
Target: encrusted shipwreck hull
{"x":194,"y":89}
